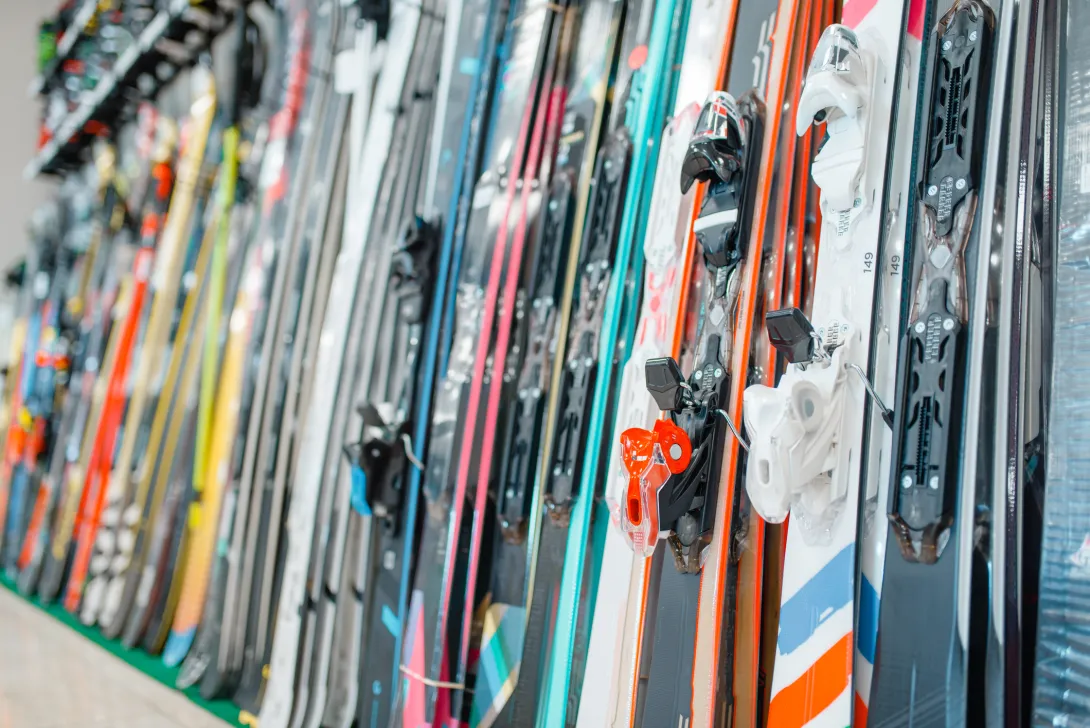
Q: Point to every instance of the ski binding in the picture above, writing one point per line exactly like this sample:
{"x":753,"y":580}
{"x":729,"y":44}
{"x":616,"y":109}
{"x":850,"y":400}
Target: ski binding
{"x":673,"y":469}
{"x":923,"y":491}
{"x":796,"y":428}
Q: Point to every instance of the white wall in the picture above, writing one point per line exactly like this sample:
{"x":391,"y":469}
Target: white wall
{"x":19,"y":115}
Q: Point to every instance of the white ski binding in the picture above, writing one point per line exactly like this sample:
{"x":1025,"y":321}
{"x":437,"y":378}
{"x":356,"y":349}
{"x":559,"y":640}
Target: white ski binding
{"x":796,"y":427}
{"x":837,"y":93}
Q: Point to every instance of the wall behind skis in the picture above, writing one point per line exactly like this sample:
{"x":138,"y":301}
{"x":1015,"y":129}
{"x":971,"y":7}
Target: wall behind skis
{"x":19,"y":115}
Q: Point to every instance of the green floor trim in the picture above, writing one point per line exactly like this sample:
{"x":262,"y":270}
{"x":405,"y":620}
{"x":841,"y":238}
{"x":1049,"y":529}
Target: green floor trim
{"x":151,"y":666}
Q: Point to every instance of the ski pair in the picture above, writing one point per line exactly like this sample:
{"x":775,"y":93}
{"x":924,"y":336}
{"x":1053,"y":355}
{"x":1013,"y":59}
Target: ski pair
{"x":1055,"y":242}
{"x":605,"y":262}
{"x":329,"y":369}
{"x":45,"y":358}
{"x":505,"y":692}
{"x":378,"y":336}
{"x":69,"y":342}
{"x":108,"y":478}
{"x":704,"y":607}
{"x":524,"y":125}
{"x":394,"y":409}
{"x":87,"y":349}
{"x":955,"y":518}
{"x":217,"y":450}
{"x":970,"y":356}
{"x":807,"y":445}
{"x":667,"y":244}
{"x":160,"y":134}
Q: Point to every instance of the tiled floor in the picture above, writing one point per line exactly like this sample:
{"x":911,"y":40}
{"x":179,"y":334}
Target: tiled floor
{"x":51,"y":677}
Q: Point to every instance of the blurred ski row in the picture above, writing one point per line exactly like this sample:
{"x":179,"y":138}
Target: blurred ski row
{"x":583,"y":363}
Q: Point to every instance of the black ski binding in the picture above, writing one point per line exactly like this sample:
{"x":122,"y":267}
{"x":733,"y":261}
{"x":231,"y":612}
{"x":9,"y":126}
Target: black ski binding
{"x":380,"y":458}
{"x":954,"y":150}
{"x":604,"y":210}
{"x":536,"y":326}
{"x":924,"y":487}
{"x":724,"y":142}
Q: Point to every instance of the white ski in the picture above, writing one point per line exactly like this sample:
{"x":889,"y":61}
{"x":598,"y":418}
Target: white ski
{"x":806,"y":434}
{"x":873,"y":530}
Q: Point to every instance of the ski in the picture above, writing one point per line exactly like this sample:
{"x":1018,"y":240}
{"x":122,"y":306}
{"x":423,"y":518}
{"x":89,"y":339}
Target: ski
{"x":1058,"y":693}
{"x":668,"y":463}
{"x":88,"y":349}
{"x":157,"y":194}
{"x":882,"y":372}
{"x":1012,"y":408}
{"x":805,"y":436}
{"x":736,"y":666}
{"x":929,"y":543}
{"x":676,"y":481}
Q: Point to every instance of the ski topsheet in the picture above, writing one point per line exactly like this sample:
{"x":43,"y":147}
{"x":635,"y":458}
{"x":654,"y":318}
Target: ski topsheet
{"x":929,"y":544}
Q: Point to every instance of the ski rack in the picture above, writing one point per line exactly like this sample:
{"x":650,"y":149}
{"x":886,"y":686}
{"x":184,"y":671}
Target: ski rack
{"x":75,"y":30}
{"x":674,"y":469}
{"x":171,"y":42}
